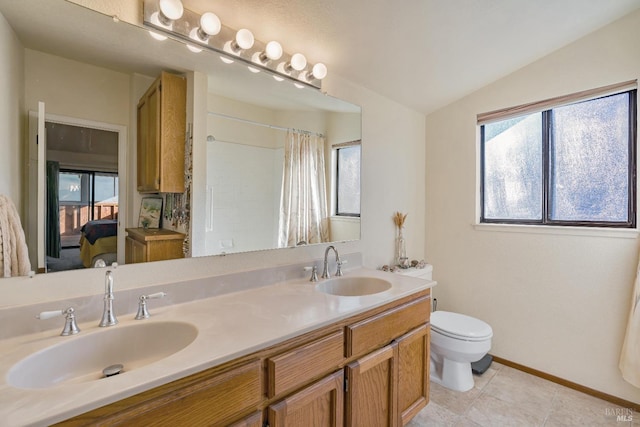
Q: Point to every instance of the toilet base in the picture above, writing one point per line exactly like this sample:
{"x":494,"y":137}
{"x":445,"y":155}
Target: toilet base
{"x":452,"y":375}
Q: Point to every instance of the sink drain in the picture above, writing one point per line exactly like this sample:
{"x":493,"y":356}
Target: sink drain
{"x":112,"y":370}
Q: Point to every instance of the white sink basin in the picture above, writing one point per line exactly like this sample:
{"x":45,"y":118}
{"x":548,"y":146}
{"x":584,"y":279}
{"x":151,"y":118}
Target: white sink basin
{"x":353,"y":286}
{"x":82,"y":358}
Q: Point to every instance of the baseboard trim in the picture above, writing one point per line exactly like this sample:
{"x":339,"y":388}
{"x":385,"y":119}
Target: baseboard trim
{"x":595,"y":393}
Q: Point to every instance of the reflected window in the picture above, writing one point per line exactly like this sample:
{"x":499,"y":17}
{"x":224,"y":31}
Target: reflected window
{"x":348,"y":180}
{"x":569,"y":165}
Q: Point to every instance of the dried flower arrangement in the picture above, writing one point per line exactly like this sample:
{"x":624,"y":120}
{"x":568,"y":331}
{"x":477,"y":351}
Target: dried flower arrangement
{"x":399,"y":218}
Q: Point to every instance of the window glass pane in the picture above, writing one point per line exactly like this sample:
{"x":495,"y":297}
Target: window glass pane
{"x":106,"y":201}
{"x":106,"y":187}
{"x":590,"y":152}
{"x":512,"y":181}
{"x":69,"y":187}
{"x":348,"y":180}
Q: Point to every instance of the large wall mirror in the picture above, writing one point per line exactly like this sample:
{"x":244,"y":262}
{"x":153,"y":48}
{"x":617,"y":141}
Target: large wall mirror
{"x":90,"y":70}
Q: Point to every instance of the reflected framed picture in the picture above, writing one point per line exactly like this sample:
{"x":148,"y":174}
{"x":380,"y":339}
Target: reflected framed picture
{"x":150,"y":212}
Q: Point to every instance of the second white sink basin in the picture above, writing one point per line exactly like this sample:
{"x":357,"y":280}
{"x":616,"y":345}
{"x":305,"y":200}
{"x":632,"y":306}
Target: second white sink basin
{"x":82,"y":358}
{"x":353,"y":286}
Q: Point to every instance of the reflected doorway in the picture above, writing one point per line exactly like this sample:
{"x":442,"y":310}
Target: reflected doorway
{"x":82,"y":192}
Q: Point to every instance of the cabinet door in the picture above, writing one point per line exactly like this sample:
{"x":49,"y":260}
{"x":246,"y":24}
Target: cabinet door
{"x":319,"y":405}
{"x":160,"y":250}
{"x":134,"y":251}
{"x":149,"y":140}
{"x":171,"y":133}
{"x":413,"y":373}
{"x":371,"y":397}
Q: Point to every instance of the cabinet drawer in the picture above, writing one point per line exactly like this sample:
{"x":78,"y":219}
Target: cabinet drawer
{"x":201,"y":402}
{"x":294,"y":368}
{"x":382,"y":328}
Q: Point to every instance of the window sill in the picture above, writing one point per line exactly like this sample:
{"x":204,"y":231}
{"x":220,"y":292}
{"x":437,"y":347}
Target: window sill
{"x":345,"y":218}
{"x":622,"y":233}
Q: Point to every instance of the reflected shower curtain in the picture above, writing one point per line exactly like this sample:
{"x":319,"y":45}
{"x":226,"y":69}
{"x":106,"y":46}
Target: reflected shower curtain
{"x":303,"y":202}
{"x":52,"y":230}
{"x":630,"y":357}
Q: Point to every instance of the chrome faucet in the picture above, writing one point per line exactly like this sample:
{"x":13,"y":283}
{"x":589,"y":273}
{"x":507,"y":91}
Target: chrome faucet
{"x":325,"y":270}
{"x":108,"y":317}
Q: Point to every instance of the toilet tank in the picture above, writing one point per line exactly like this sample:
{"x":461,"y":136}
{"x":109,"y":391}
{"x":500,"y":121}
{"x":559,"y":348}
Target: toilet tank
{"x":422,"y":273}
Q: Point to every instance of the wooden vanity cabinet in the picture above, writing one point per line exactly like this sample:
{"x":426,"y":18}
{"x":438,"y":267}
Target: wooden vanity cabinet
{"x":368,"y":370}
{"x":161,"y":126}
{"x":152,"y":244}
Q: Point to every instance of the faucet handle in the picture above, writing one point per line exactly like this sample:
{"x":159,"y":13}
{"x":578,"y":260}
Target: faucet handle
{"x":49,"y":314}
{"x":70,"y":325}
{"x":143,"y":312}
{"x":314,"y":273}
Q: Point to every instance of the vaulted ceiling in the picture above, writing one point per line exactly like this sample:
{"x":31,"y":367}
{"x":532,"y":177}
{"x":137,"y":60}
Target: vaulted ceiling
{"x":421,"y":53}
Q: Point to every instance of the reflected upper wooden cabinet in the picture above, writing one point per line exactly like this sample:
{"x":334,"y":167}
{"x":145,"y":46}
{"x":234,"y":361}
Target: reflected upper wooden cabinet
{"x":161,"y":135}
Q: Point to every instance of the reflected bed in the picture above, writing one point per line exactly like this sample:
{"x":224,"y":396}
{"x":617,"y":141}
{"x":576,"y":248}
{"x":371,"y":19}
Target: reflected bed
{"x":99,"y":241}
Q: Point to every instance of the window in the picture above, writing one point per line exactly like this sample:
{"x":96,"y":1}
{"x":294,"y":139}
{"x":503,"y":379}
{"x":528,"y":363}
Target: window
{"x":348,"y":179}
{"x":571,"y":164}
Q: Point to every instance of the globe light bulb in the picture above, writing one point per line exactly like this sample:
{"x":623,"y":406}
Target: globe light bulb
{"x":171,"y":9}
{"x":210,"y":23}
{"x":298,"y":62}
{"x":244,"y":39}
{"x":319,"y":71}
{"x":273,"y":50}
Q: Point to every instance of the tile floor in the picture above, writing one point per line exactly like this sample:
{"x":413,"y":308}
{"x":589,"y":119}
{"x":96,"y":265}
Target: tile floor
{"x":504,"y":396}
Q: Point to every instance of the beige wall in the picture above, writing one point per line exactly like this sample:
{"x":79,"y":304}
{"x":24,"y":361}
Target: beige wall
{"x":12,"y":161}
{"x":557,"y":302}
{"x":76,"y":89}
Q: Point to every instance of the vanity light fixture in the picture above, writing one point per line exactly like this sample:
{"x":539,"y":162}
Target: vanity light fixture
{"x":319,"y":71}
{"x":244,"y":40}
{"x":210,"y":25}
{"x":273,"y":51}
{"x":298,"y":62}
{"x":206,"y":32}
{"x":168,"y":11}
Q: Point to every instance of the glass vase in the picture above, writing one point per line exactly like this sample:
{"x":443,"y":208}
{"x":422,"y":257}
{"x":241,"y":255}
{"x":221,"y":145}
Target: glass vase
{"x":401,"y":250}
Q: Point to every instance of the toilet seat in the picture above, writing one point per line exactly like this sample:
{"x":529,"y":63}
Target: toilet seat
{"x":459,"y":326}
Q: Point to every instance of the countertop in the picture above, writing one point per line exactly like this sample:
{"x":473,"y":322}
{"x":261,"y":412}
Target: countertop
{"x":229,"y":326}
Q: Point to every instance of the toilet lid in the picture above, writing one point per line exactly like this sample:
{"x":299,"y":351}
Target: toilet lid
{"x":459,"y":326}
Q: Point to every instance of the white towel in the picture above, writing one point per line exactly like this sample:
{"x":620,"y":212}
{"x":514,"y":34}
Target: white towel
{"x":630,"y":356}
{"x":14,"y":255}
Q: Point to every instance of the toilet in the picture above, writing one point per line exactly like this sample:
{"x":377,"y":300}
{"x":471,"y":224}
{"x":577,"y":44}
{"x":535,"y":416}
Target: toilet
{"x":457,"y":341}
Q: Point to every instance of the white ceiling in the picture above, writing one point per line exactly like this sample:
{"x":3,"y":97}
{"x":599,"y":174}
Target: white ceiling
{"x":421,"y":53}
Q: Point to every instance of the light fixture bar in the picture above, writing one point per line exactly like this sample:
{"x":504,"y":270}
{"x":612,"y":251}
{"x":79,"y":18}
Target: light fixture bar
{"x":224,"y":43}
